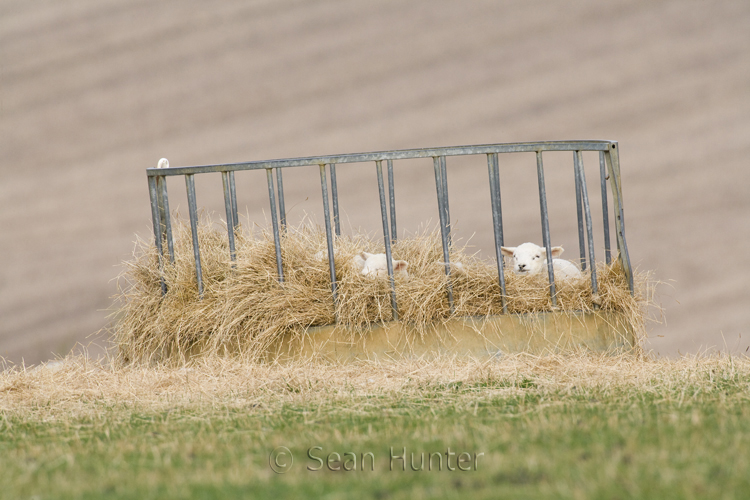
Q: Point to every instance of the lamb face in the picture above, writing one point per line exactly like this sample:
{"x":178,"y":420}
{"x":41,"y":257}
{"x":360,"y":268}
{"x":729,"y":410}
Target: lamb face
{"x":377,"y":265}
{"x":529,"y":258}
{"x":370,"y":264}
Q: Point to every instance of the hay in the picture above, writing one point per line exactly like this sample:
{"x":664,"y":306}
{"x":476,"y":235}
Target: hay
{"x":244,"y":308}
{"x":78,"y":386}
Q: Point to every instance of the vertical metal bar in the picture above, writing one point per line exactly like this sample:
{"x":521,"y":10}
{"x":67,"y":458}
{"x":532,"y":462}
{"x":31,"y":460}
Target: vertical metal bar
{"x":605,"y":206}
{"x":233,"y":193}
{"x":497,"y":222}
{"x":444,"y":227}
{"x":613,"y":161}
{"x":162,"y":211}
{"x":386,"y":237}
{"x":230,"y":215}
{"x":152,"y":191}
{"x":579,"y":211}
{"x":335,"y":196}
{"x":275,"y":225}
{"x":444,"y":177}
{"x":329,"y":236}
{"x":581,"y":175}
{"x":193,"y":210}
{"x":160,"y":204}
{"x":545,"y":226}
{"x":282,"y":205}
{"x":161,"y":184}
{"x":392,"y":199}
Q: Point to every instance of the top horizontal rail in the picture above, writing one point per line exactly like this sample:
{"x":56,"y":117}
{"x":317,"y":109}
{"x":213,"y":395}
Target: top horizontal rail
{"x":518,"y":147}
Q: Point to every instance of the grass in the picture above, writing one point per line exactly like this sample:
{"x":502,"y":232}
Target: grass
{"x":582,"y":426}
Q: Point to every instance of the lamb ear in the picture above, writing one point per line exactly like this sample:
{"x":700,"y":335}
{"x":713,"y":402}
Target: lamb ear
{"x":359,"y":260}
{"x":400,"y":265}
{"x":557,"y":251}
{"x":508,"y":251}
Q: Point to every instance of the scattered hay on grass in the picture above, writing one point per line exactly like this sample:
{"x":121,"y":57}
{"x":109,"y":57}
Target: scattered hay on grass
{"x":78,"y":386}
{"x":244,"y":308}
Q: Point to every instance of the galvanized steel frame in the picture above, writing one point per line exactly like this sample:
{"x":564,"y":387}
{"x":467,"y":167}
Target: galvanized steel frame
{"x":609,"y":170}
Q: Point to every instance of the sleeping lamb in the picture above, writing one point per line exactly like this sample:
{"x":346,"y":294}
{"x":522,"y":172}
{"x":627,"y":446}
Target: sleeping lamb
{"x":376,"y":265}
{"x":372,"y":264}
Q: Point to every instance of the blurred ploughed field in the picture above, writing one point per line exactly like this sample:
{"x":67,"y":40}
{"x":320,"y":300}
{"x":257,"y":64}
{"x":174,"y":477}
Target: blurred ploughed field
{"x":94,"y":92}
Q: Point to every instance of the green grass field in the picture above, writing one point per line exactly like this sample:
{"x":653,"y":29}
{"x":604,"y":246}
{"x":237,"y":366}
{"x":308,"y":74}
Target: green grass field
{"x":519,"y":427}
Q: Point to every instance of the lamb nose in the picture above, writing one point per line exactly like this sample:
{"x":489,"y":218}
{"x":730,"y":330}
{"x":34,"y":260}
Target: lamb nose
{"x":521,"y":266}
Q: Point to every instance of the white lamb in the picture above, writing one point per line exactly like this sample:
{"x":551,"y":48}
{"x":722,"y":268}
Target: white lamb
{"x":371,"y":264}
{"x":528,"y":259}
{"x":375,"y":264}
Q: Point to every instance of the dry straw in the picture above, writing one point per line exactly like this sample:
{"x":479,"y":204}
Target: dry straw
{"x":245,"y":309}
{"x":78,"y":386}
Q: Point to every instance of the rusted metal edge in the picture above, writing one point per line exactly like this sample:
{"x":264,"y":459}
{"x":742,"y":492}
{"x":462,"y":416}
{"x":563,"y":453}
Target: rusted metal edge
{"x":519,"y":147}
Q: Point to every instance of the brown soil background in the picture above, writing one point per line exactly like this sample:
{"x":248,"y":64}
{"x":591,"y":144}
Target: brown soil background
{"x":94,"y":92}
